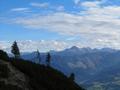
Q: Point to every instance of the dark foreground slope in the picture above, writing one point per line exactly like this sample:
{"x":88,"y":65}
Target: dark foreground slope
{"x":33,"y":77}
{"x":11,"y":78}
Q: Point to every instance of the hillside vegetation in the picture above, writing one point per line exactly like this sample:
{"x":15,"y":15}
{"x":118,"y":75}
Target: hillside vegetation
{"x":18,"y":74}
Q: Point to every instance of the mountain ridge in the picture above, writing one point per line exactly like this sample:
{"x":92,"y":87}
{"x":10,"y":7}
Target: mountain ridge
{"x":86,"y":63}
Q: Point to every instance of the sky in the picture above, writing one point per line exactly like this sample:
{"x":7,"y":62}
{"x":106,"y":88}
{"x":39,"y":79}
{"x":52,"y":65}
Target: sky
{"x":59,"y":24}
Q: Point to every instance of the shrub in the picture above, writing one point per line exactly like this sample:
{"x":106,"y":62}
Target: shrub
{"x":3,"y":55}
{"x":4,"y":71}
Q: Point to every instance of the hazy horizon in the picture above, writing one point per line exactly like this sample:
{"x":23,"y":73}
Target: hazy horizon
{"x":32,"y":46}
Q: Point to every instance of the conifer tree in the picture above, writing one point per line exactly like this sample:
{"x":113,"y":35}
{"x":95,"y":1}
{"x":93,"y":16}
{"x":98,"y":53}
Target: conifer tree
{"x":72,"y":77}
{"x":48,"y":59}
{"x":38,"y":56}
{"x":15,"y":50}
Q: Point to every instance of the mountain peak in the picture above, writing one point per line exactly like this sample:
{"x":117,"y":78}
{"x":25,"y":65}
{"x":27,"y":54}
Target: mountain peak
{"x":74,"y":47}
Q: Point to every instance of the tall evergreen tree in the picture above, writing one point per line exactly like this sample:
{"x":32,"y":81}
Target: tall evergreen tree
{"x":15,"y":50}
{"x":38,"y":56}
{"x":72,"y":77}
{"x":48,"y":59}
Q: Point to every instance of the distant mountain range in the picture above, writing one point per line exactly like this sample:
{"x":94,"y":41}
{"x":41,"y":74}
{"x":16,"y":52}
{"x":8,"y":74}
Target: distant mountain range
{"x":94,"y":68}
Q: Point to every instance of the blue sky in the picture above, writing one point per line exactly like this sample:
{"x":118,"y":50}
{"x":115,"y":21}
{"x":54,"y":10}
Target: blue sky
{"x":84,"y":23}
{"x":8,"y":11}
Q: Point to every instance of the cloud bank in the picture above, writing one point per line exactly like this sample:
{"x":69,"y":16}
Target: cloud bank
{"x":30,"y":46}
{"x":98,"y":25}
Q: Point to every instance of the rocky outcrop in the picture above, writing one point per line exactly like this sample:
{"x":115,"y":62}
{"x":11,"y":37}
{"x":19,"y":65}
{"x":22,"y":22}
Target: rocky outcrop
{"x":11,"y":78}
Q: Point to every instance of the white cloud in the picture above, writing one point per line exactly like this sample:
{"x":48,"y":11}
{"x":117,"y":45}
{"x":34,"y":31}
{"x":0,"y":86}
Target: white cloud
{"x":40,"y":5}
{"x":5,"y":45}
{"x":29,"y":45}
{"x":60,"y":8}
{"x":46,"y":5}
{"x":20,"y":9}
{"x":97,"y":26}
{"x":90,"y":4}
{"x":76,"y":2}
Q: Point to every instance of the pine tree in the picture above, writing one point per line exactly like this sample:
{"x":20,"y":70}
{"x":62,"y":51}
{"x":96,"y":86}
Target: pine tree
{"x":72,"y":77}
{"x":38,"y":56}
{"x":48,"y":59}
{"x":15,"y":50}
